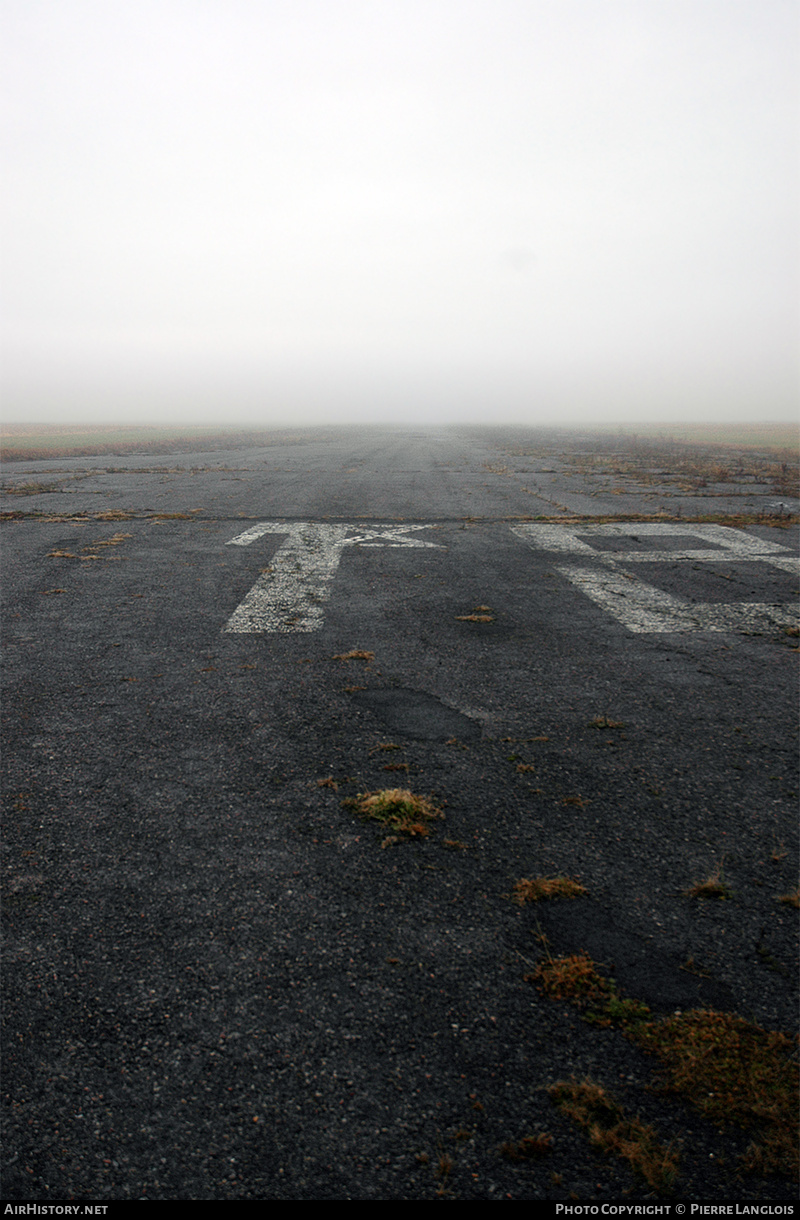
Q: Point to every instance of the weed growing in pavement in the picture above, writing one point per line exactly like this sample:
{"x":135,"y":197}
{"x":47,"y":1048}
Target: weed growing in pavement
{"x":791,"y":900}
{"x":445,"y":1165}
{"x":528,"y":1148}
{"x":398,"y":810}
{"x":573,"y":978}
{"x":525,"y":740}
{"x":480,"y":614}
{"x":713,"y":886}
{"x":603,"y":722}
{"x":355,"y":654}
{"x":732,"y":1071}
{"x":537,"y":888}
{"x":114,"y":540}
{"x":609,"y":1129}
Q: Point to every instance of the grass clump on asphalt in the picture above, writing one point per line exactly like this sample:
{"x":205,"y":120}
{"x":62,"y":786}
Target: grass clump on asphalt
{"x":572,"y":978}
{"x":590,"y":1106}
{"x":398,"y":810}
{"x":528,"y":1148}
{"x":537,"y":888}
{"x":712,"y":886}
{"x":733,"y":1072}
{"x":603,"y":722}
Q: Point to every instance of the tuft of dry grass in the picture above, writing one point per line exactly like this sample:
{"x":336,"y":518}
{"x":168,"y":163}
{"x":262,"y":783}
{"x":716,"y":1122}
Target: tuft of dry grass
{"x":603,"y":722}
{"x":444,"y":1166}
{"x":474,"y":618}
{"x":590,"y":1106}
{"x":712,"y":886}
{"x":576,"y":978}
{"x":355,"y":654}
{"x":528,"y":1148}
{"x":114,"y":540}
{"x":537,"y":888}
{"x":572,"y":978}
{"x":398,"y":810}
{"x":789,"y":900}
{"x":580,"y":802}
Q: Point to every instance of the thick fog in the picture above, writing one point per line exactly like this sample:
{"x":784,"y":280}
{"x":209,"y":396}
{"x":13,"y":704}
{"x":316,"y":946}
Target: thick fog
{"x":261,"y":211}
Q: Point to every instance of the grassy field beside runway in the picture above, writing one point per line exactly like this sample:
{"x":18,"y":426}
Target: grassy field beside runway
{"x":23,"y":443}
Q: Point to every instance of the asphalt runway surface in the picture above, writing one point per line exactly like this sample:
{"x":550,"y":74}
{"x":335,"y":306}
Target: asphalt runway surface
{"x":219,"y":981}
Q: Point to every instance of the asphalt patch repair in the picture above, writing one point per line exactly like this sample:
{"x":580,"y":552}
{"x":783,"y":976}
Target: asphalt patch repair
{"x":417,"y":715}
{"x":661,"y":980}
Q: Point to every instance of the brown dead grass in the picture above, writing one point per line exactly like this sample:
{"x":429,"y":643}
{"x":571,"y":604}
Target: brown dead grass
{"x":404,"y":813}
{"x":355,"y":654}
{"x":528,"y":1148}
{"x":712,"y":886}
{"x":733,"y":1073}
{"x":574,"y":978}
{"x":537,"y":888}
{"x":114,"y":540}
{"x":610,"y":1129}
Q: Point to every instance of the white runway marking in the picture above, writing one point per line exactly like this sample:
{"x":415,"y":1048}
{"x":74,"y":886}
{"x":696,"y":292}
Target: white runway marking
{"x":642,"y":607}
{"x":290,"y":595}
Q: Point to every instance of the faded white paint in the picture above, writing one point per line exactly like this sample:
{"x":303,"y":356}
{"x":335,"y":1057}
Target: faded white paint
{"x":642,"y":607}
{"x":290,"y":595}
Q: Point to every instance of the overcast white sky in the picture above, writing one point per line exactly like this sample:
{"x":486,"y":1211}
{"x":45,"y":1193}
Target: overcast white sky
{"x":272,"y":211}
